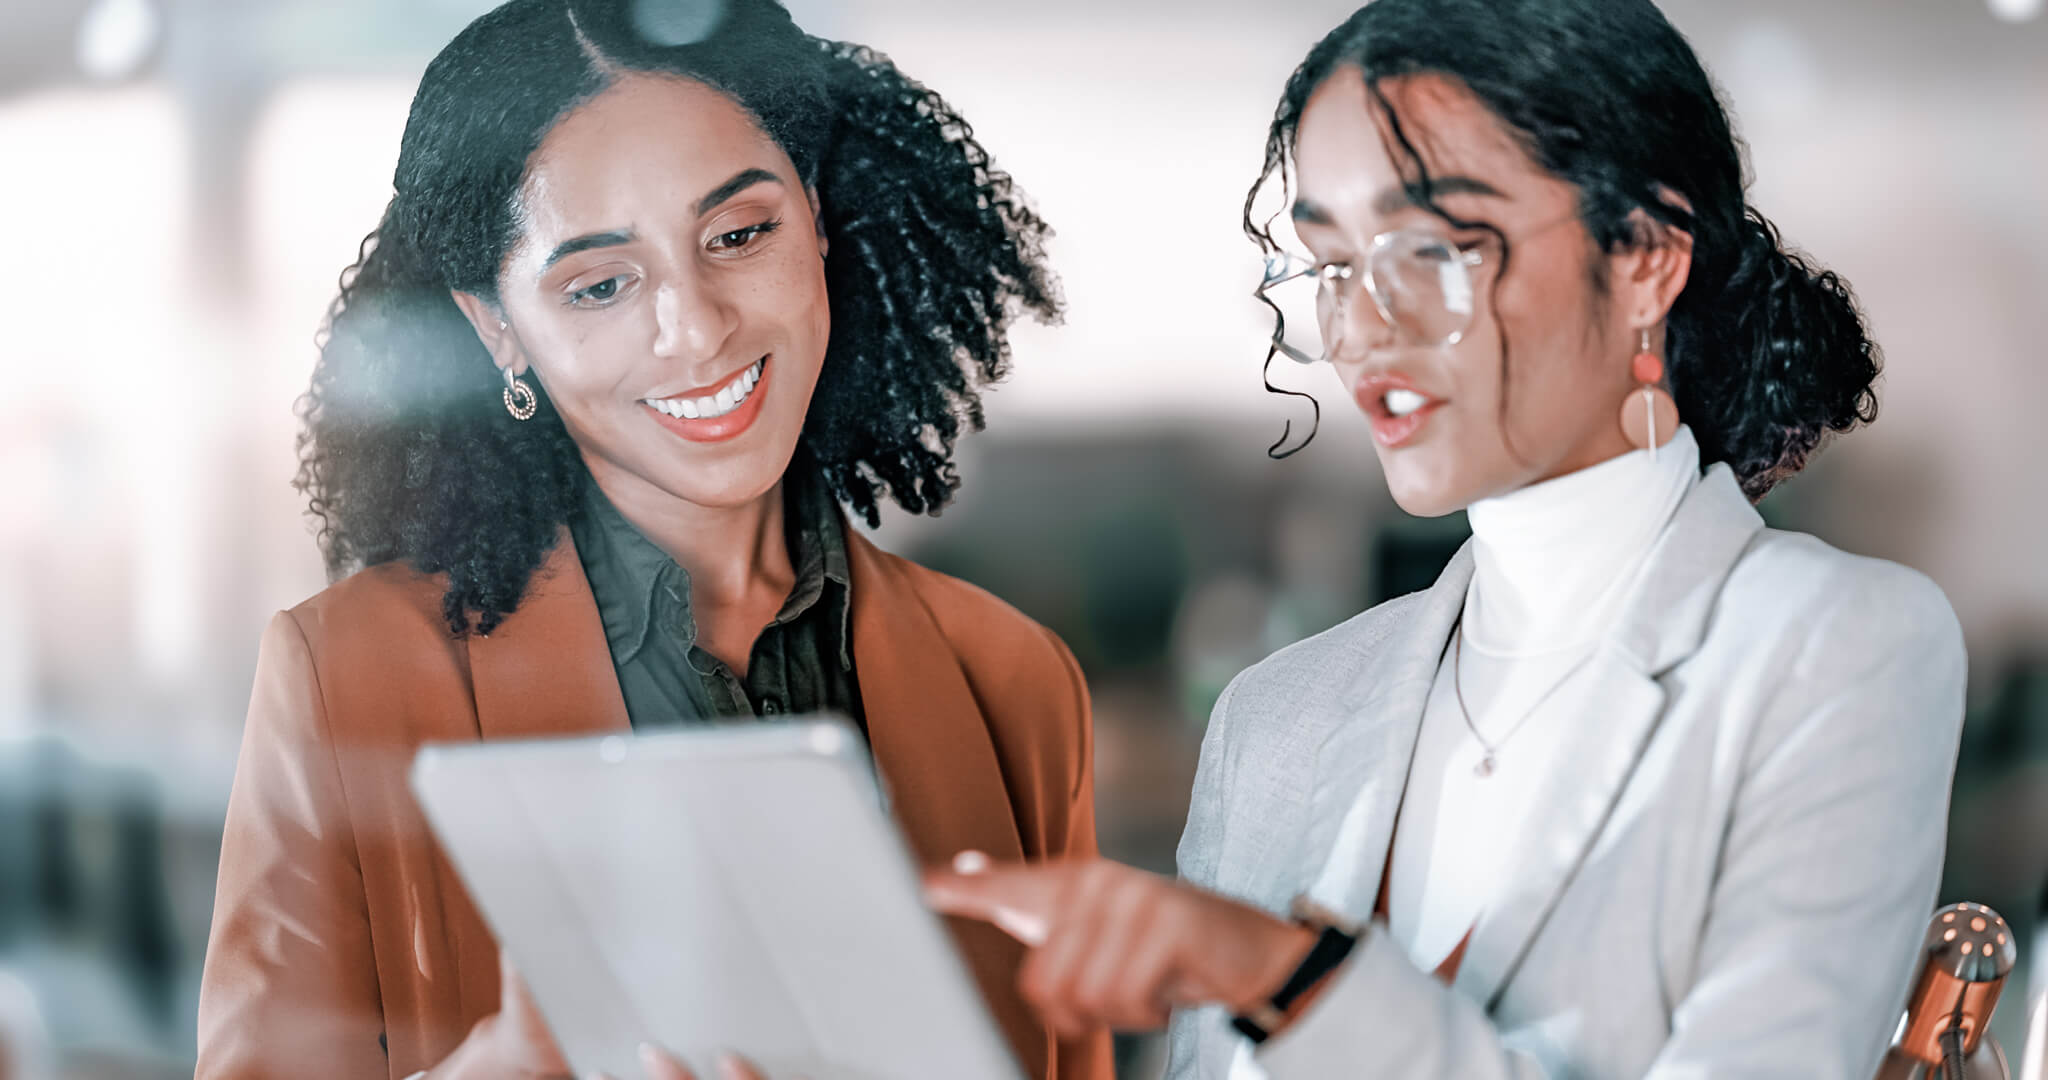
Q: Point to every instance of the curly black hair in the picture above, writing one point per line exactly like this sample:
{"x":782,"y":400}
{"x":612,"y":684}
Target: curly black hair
{"x":406,"y":452}
{"x":1767,"y":353}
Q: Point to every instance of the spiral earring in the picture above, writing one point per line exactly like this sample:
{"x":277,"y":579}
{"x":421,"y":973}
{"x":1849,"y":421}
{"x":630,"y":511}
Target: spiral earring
{"x":519,"y":397}
{"x":1649,"y":417}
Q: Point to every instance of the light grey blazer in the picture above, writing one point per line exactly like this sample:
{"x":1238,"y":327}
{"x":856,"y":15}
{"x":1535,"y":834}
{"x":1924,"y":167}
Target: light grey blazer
{"x":1731,"y":880}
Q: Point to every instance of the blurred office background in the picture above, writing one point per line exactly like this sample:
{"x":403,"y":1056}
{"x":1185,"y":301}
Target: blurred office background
{"x":181,"y":181}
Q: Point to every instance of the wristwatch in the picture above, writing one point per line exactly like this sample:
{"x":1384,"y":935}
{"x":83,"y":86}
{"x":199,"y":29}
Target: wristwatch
{"x":1335,"y":938}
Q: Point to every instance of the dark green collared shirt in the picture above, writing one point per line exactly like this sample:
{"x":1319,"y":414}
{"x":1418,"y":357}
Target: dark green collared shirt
{"x":802,"y":662}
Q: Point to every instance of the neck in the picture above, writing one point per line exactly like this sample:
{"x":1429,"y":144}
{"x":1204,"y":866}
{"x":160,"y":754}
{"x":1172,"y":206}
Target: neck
{"x":1554,"y":559}
{"x":732,"y":553}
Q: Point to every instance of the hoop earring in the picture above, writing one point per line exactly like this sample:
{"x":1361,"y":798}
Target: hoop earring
{"x":520,"y":400}
{"x":1649,"y":417}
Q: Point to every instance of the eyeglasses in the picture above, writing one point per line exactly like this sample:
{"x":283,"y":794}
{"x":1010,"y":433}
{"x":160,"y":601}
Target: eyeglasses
{"x":1420,"y":283}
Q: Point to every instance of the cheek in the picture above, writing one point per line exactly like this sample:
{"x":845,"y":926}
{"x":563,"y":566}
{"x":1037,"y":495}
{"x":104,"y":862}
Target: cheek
{"x":795,"y":301}
{"x":1547,"y":322}
{"x":581,"y":357}
{"x":820,"y":304}
{"x":821,"y":314}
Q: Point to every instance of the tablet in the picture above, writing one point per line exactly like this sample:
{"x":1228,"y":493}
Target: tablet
{"x":721,"y":888}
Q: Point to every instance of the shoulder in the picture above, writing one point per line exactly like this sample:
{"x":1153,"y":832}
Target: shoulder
{"x":390,"y":603}
{"x":1839,"y":658}
{"x":1834,"y":610}
{"x":371,"y":640}
{"x":991,"y":637}
{"x":1319,"y":667}
{"x":1023,"y":679}
{"x":1026,"y":687}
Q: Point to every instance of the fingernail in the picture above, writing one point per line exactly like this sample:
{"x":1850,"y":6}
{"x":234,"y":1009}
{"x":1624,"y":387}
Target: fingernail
{"x":650,"y":1057}
{"x":970,"y":862}
{"x":731,"y":1068}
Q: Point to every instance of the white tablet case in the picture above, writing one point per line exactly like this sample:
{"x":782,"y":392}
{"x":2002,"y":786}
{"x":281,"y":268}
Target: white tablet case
{"x":728,"y":888}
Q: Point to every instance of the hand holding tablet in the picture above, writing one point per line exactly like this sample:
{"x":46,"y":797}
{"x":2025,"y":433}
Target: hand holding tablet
{"x":711,"y":891}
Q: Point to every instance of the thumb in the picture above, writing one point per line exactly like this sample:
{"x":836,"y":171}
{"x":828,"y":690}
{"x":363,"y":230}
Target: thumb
{"x":516,"y":1009}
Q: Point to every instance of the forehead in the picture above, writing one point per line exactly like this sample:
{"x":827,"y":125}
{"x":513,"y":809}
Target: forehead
{"x":1347,"y":152}
{"x":644,"y":142}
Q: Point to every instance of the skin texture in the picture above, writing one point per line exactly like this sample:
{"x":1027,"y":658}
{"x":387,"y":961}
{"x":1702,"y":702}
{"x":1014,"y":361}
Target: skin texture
{"x":676,"y":301}
{"x":1116,"y":946}
{"x":1569,"y":344}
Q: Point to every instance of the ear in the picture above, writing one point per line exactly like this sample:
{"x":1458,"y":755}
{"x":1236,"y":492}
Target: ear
{"x":499,"y":339}
{"x":1650,"y":273}
{"x":818,"y":219}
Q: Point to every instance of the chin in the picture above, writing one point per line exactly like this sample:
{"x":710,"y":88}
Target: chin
{"x":724,"y":489}
{"x":1424,"y":496}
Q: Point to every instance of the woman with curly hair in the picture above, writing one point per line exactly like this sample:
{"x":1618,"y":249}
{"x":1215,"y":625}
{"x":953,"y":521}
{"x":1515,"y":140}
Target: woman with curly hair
{"x":650,"y":302}
{"x":1640,"y":787}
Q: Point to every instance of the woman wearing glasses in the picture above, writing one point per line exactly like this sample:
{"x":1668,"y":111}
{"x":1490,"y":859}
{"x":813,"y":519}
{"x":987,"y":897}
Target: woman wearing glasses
{"x":1640,"y":787}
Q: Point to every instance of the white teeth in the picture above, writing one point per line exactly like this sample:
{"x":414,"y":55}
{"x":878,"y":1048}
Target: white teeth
{"x":715,"y":405}
{"x":1403,"y":402}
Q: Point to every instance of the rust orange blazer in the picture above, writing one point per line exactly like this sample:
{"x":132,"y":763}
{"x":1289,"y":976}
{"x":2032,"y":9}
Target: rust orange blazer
{"x":343,"y":944}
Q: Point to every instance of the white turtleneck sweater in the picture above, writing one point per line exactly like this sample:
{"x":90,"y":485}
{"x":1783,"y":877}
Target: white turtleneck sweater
{"x":1552,"y":565}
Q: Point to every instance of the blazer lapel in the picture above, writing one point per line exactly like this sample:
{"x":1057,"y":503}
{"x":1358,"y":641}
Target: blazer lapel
{"x":1361,"y":768}
{"x":1568,"y":815}
{"x":926,"y":729}
{"x":546,"y":671}
{"x":1622,"y":699}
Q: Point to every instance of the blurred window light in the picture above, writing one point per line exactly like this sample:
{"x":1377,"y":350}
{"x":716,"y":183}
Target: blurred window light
{"x":1776,"y":75}
{"x":2016,"y":10}
{"x":677,"y":22}
{"x":117,"y":37}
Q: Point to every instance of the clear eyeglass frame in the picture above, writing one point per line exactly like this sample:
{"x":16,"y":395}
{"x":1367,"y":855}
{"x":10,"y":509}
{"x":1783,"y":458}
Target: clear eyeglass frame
{"x":1420,"y":283}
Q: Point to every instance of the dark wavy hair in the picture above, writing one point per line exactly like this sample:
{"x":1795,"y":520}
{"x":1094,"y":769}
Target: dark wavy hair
{"x":1767,"y":354}
{"x":406,"y":451}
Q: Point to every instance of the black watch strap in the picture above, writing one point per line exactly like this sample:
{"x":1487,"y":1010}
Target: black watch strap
{"x":1331,"y":947}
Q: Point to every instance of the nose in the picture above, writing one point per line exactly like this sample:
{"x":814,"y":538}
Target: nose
{"x":1352,"y":323}
{"x":693,"y":319}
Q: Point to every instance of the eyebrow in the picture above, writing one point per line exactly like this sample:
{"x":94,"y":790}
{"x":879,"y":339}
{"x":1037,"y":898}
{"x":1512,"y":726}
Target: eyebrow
{"x":1307,"y":211}
{"x":1396,"y":199}
{"x":740,"y":181}
{"x":584,"y":243}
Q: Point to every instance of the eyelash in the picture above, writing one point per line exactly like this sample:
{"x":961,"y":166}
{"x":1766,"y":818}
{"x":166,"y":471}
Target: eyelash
{"x":746,"y":235}
{"x":583,"y":297}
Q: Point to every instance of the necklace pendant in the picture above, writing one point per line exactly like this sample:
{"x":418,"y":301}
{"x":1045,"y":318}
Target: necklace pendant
{"x":1485,"y":767}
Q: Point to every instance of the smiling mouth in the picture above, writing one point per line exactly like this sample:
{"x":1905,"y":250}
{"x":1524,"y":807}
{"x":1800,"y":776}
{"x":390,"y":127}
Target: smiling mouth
{"x":716,"y":404}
